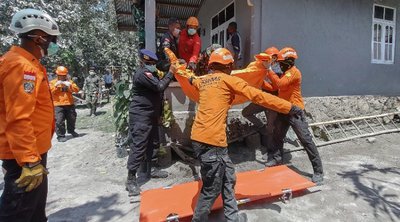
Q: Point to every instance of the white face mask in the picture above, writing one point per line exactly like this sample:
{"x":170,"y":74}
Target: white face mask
{"x":266,"y":64}
{"x":176,"y":32}
{"x":191,"y":31}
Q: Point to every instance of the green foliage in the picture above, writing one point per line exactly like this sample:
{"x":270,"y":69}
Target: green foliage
{"x":121,"y":106}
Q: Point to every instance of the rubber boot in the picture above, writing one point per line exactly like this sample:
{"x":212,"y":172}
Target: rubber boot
{"x":153,"y":172}
{"x":93,"y":111}
{"x":131,"y":184}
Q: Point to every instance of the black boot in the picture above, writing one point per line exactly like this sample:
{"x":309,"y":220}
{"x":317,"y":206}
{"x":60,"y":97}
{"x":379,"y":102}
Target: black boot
{"x":131,"y":184}
{"x":153,"y":172}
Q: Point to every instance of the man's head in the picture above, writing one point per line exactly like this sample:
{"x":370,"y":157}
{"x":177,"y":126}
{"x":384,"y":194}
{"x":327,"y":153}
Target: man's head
{"x":286,"y":58}
{"x":232,"y":27}
{"x":38,"y":31}
{"x":174,"y":27}
{"x":273,"y":52}
{"x":62,"y":73}
{"x":148,"y":57}
{"x":221,"y":60}
{"x":192,"y":25}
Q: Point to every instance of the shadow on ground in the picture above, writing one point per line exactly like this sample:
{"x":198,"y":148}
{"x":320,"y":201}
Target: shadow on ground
{"x":374,"y":190}
{"x":101,"y":209}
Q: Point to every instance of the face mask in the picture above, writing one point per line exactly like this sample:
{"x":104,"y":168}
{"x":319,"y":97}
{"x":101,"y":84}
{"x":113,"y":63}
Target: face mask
{"x":52,"y":49}
{"x":191,"y":31}
{"x":276,"y":68}
{"x":266,"y":64}
{"x":284,"y":66}
{"x":151,"y":68}
{"x":176,"y":32}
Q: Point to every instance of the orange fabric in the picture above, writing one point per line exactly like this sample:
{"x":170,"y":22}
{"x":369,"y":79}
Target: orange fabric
{"x":26,"y":107}
{"x":61,"y":98}
{"x":189,"y":46}
{"x":181,"y":199}
{"x":217,"y":92}
{"x":289,"y":86}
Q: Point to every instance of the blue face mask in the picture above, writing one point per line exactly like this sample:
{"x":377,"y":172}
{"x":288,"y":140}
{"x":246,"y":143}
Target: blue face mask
{"x":276,"y":68}
{"x":191,"y":31}
{"x":151,"y":68}
{"x":52,"y":49}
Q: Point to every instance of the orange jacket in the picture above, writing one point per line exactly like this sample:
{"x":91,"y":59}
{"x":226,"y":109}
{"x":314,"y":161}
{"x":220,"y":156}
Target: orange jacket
{"x":62,"y":94}
{"x":189,"y":46}
{"x":26,"y":107}
{"x":289,"y":85}
{"x":217,"y":92}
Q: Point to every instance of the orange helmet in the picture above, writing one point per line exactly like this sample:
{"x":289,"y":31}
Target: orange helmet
{"x":272,"y":51}
{"x":263,"y":56}
{"x":61,"y":71}
{"x":192,"y":21}
{"x":286,"y":53}
{"x":222,"y":56}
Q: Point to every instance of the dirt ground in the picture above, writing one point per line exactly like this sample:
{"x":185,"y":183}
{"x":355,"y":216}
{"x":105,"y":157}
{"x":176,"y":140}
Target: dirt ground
{"x":362,"y":180}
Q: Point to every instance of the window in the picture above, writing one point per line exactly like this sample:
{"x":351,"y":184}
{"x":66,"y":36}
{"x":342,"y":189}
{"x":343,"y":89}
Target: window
{"x":383,"y":34}
{"x":220,"y":22}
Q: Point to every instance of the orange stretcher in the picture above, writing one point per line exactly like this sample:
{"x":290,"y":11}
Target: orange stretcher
{"x":179,"y":201}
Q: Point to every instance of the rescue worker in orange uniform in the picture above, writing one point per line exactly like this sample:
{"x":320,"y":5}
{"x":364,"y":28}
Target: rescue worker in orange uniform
{"x":250,"y":111}
{"x":209,"y":132}
{"x":289,"y":86}
{"x":62,"y":89}
{"x":26,"y":117}
{"x":189,"y":44}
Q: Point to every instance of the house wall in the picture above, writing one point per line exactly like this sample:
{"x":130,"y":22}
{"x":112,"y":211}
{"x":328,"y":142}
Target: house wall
{"x":333,"y":40}
{"x":243,"y":19}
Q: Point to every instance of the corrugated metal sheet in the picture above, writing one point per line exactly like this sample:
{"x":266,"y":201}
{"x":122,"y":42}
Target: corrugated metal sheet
{"x":180,"y":9}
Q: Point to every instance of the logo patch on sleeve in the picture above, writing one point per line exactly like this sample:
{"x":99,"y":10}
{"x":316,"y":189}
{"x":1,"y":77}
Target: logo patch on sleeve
{"x":29,"y":86}
{"x":288,"y":74}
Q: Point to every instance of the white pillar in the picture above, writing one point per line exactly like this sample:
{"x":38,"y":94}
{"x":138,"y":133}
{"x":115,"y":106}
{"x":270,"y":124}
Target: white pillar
{"x":255,"y":27}
{"x":150,"y":24}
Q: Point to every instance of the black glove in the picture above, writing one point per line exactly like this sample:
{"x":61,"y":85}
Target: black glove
{"x":192,"y":66}
{"x":295,"y":110}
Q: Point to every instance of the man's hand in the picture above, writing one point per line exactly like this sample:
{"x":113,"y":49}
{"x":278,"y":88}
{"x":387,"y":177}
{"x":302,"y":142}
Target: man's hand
{"x":295,"y":110}
{"x":31,"y":177}
{"x":192,"y":66}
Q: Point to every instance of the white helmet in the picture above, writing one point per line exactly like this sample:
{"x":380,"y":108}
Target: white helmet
{"x":30,"y":19}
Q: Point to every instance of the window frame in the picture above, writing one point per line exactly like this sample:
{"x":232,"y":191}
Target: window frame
{"x":383,"y":23}
{"x":224,"y":26}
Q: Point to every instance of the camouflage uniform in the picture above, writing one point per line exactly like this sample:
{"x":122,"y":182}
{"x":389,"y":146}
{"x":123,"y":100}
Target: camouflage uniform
{"x":91,"y":88}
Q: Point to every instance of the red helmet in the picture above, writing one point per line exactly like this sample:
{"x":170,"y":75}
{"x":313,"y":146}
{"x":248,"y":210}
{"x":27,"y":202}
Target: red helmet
{"x":222,"y":56}
{"x":62,"y":71}
{"x":286,"y":53}
{"x":272,"y":51}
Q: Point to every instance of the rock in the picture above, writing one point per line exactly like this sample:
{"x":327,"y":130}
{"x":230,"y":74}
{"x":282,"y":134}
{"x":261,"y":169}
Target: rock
{"x":371,"y":139}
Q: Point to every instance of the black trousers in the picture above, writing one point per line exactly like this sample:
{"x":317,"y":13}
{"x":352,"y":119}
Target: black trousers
{"x":250,"y":111}
{"x":63,"y":113}
{"x":218,"y":176}
{"x":16,"y":205}
{"x":300,"y":127}
{"x":144,"y":132}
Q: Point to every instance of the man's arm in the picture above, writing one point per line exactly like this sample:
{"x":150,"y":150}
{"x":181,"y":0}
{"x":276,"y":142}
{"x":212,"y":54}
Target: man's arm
{"x":196,"y":49}
{"x":147,"y":79}
{"x":20,"y":100}
{"x":285,"y":81}
{"x":257,"y":96}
